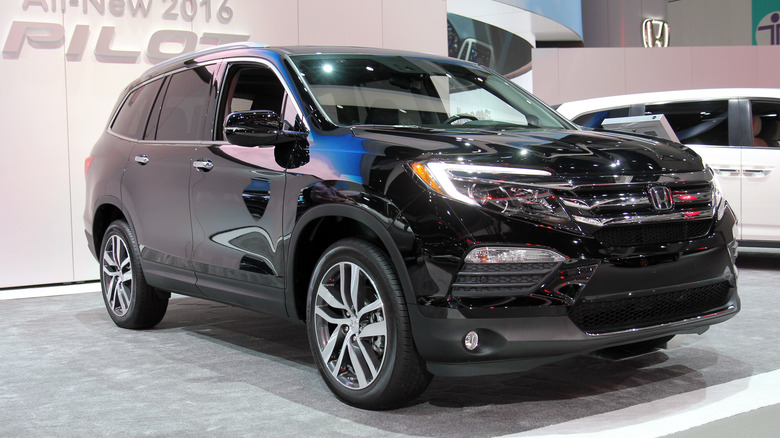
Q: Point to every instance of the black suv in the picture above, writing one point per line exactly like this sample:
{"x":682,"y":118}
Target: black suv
{"x":422,"y":215}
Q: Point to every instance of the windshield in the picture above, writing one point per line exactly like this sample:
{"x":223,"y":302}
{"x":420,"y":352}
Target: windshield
{"x":396,"y":90}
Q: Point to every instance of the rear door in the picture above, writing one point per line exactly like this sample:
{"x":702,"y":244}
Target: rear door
{"x":156,"y":182}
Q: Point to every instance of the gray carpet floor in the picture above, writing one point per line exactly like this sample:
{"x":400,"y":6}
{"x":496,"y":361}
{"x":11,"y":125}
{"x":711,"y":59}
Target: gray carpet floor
{"x":214,"y":370}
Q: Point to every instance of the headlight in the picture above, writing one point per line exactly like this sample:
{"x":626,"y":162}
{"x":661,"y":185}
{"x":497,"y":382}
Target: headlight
{"x":495,"y":188}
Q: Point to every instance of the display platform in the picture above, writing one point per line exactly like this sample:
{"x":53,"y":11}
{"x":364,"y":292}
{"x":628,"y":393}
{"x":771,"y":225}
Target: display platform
{"x":214,"y":370}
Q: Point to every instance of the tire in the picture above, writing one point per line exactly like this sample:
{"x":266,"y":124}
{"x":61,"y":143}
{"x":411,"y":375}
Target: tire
{"x":130,"y":301}
{"x":361,"y":340}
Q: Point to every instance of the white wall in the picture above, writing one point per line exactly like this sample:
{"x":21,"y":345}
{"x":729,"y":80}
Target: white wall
{"x":60,"y":80}
{"x":562,"y":75}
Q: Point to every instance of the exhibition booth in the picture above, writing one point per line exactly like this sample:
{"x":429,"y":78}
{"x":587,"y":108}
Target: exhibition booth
{"x":409,"y":221}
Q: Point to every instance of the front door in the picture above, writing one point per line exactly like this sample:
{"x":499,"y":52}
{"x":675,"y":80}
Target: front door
{"x":236,"y":200}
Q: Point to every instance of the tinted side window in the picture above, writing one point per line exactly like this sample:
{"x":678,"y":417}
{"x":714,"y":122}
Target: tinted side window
{"x":183,"y":110}
{"x":134,"y":114}
{"x":247,"y":88}
{"x":766,"y":122}
{"x":696,"y":122}
{"x":290,"y":117}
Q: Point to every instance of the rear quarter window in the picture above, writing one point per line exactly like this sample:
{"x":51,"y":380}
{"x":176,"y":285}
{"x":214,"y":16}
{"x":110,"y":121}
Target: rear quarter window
{"x":133,"y":116}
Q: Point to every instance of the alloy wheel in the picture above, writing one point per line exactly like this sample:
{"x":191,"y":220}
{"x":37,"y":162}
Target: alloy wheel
{"x":350,"y":325}
{"x":117,"y":275}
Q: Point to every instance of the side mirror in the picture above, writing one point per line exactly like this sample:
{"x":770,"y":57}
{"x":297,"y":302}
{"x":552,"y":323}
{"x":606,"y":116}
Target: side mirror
{"x":259,"y":128}
{"x":253,"y":128}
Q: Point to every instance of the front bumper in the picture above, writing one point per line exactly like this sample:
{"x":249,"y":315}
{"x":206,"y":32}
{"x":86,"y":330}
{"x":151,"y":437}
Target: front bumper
{"x":512,"y":346}
{"x":619,"y":305}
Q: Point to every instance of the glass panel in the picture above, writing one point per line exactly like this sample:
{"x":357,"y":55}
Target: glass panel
{"x":696,"y":122}
{"x":249,"y":88}
{"x":183,"y":112}
{"x":766,"y":123}
{"x":134,"y":114}
{"x":290,"y":117}
{"x":395,"y":90}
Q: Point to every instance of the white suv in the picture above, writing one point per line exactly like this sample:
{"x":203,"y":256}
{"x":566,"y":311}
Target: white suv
{"x":736,"y":131}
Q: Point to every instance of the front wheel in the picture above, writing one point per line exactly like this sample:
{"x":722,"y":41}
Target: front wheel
{"x":130,"y":301}
{"x":359,"y":329}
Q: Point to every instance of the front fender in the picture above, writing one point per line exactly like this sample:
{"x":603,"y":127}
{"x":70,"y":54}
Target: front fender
{"x":389,"y":231}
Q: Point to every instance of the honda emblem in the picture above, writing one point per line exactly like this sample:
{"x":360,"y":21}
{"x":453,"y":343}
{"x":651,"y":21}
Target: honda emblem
{"x":655,"y":33}
{"x":661,"y":197}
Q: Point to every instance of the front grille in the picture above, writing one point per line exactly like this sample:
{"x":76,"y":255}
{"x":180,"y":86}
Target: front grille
{"x":500,"y":279}
{"x":629,"y":235}
{"x":610,"y":315}
{"x":628,"y":214}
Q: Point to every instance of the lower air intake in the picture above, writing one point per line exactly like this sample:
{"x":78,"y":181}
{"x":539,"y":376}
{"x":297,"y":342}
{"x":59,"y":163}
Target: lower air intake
{"x":625,"y":313}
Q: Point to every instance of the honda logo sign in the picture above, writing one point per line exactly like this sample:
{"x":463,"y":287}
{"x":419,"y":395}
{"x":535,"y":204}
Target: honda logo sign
{"x":655,"y":33}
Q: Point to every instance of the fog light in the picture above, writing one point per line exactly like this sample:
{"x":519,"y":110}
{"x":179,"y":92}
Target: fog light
{"x":471,"y":341}
{"x":513,"y":255}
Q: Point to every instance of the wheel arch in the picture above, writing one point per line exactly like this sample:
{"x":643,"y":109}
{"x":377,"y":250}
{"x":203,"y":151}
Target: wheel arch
{"x":322,"y":226}
{"x":107,"y":211}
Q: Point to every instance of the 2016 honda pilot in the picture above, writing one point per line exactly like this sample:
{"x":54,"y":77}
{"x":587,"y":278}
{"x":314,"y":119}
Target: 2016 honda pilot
{"x":421,"y":214}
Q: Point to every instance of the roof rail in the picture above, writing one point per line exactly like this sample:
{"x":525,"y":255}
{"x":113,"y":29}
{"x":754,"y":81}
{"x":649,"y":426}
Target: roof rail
{"x":198,"y":53}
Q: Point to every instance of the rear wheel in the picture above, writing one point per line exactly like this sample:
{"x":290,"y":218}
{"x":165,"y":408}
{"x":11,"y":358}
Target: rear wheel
{"x":359,"y":329}
{"x":130,"y":301}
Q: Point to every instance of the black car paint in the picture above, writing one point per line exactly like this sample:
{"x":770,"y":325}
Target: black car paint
{"x":255,"y":233}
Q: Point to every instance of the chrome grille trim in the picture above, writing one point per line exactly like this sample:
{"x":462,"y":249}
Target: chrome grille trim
{"x":624,"y":200}
{"x":645,"y":218}
{"x":630,"y":203}
{"x":592,"y":203}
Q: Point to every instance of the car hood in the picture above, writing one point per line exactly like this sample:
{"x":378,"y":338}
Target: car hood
{"x":566,"y":152}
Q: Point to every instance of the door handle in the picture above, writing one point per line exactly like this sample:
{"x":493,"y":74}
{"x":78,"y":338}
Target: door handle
{"x":756,"y":173}
{"x":141,"y":159}
{"x":726,"y":171}
{"x":204,"y":165}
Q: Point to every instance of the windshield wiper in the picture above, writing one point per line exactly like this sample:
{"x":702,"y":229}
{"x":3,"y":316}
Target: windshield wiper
{"x":380,"y":126}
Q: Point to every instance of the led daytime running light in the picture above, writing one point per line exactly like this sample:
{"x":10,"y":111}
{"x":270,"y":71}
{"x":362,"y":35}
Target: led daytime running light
{"x":437,"y":176}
